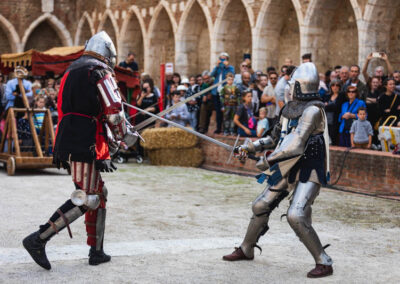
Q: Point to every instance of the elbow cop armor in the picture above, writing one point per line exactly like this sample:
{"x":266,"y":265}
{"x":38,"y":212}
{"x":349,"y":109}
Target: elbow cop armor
{"x":112,"y":106}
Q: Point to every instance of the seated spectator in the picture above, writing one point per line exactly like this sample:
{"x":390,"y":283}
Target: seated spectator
{"x":12,"y":91}
{"x":262,"y":124}
{"x":348,"y":115}
{"x":193,"y":105}
{"x":130,"y":63}
{"x":389,"y":102}
{"x":244,"y":117}
{"x":180,"y":114}
{"x":230,"y":100}
{"x":361,"y":131}
{"x":333,"y":103}
{"x":379,"y":71}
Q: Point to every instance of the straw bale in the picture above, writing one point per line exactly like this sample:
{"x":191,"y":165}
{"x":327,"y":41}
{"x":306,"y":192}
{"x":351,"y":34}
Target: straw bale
{"x":185,"y":157}
{"x":167,"y":138}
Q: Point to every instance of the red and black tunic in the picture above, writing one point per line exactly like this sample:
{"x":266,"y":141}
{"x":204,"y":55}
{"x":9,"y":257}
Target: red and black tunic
{"x":80,"y":131}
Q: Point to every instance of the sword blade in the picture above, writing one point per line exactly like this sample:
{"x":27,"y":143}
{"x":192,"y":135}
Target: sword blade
{"x":200,"y":135}
{"x":146,"y":122}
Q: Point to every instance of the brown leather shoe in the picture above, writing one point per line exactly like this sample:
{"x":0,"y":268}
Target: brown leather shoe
{"x":320,"y":270}
{"x":237,"y":254}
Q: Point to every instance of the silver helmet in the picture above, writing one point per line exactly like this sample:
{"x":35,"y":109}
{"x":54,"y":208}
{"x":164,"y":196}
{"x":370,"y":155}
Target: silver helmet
{"x":304,"y":83}
{"x":102,"y":44}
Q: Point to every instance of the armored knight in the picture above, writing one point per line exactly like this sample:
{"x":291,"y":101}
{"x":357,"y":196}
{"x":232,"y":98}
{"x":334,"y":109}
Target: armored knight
{"x":299,"y":163}
{"x":91,"y":126}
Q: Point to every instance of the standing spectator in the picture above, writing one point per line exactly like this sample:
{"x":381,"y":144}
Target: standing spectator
{"x":130,"y":63}
{"x":354,"y":81}
{"x":333,"y":76}
{"x":263,"y":124}
{"x":380,"y":70}
{"x":269,"y":98}
{"x":333,"y":103}
{"x":323,"y":88}
{"x":337,"y":69}
{"x":372,"y":104}
{"x":148,"y":101}
{"x":193,"y":105}
{"x":348,"y":115}
{"x":12,"y":91}
{"x":219,"y":73}
{"x":180,"y":114}
{"x":307,"y":57}
{"x":389,"y":102}
{"x":207,"y":104}
{"x":344,"y":77}
{"x":259,"y":87}
{"x":3,"y":100}
{"x":176,"y":81}
{"x":396,"y":77}
{"x":280,"y":90}
{"x":283,"y":70}
{"x":361,"y":131}
{"x":51,"y":104}
{"x":230,"y":100}
{"x":245,"y":84}
{"x":244,"y":117}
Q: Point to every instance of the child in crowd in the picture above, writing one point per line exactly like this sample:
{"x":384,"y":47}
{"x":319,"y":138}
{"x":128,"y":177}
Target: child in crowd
{"x":244,"y":117}
{"x":193,"y":105}
{"x":361,"y":131}
{"x":180,"y":114}
{"x":230,"y":99}
{"x":263,"y":124}
{"x":38,"y":117}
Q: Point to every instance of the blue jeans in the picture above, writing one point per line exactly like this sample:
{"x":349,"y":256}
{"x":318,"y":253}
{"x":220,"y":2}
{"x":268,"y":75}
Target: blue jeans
{"x":217,"y":107}
{"x":193,"y":119}
{"x":244,"y":134}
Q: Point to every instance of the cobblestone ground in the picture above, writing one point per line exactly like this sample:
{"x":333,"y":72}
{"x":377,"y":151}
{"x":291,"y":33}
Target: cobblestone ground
{"x":172,"y":225}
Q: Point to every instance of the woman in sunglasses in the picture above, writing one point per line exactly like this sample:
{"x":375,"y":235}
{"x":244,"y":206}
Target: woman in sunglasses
{"x":333,"y":103}
{"x":348,"y":115}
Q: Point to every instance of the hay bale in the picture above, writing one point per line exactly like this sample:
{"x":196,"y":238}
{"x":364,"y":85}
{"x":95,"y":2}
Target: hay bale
{"x":167,"y":138}
{"x":185,"y":157}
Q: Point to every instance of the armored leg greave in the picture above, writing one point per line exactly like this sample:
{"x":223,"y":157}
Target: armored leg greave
{"x":64,"y":216}
{"x":262,"y":207}
{"x":299,"y":218}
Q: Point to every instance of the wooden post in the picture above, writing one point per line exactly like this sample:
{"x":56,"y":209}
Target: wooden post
{"x":30,"y":118}
{"x":13,"y":132}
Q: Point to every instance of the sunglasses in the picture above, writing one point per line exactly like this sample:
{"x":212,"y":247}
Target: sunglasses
{"x":354,"y":92}
{"x":335,"y":85}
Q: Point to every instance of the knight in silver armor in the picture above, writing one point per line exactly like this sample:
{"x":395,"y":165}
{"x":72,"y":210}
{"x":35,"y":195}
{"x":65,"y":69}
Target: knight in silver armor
{"x":298,"y":163}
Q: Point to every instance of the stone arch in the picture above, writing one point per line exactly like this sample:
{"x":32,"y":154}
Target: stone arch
{"x":161,"y":41}
{"x":54,"y":28}
{"x":9,"y":39}
{"x":277,"y":34}
{"x":109,"y":24}
{"x":325,"y":22}
{"x":381,"y":32}
{"x":233,"y":32}
{"x":193,"y":40}
{"x":85,"y":29}
{"x":133,"y":33}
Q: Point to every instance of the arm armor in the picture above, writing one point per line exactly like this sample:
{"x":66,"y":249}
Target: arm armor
{"x":112,"y":108}
{"x":294,"y":144}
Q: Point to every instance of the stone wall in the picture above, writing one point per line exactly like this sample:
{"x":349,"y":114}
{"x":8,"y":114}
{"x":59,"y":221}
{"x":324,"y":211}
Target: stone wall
{"x":191,"y":33}
{"x":364,"y":171}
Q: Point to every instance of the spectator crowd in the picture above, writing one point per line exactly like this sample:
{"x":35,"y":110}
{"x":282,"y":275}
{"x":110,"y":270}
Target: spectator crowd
{"x":249,"y":101}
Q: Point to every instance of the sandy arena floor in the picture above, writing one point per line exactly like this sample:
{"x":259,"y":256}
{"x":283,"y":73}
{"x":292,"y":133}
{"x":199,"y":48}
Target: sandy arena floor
{"x":172,"y":225}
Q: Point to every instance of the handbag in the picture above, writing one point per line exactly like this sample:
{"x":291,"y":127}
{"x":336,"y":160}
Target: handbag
{"x":349,"y":122}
